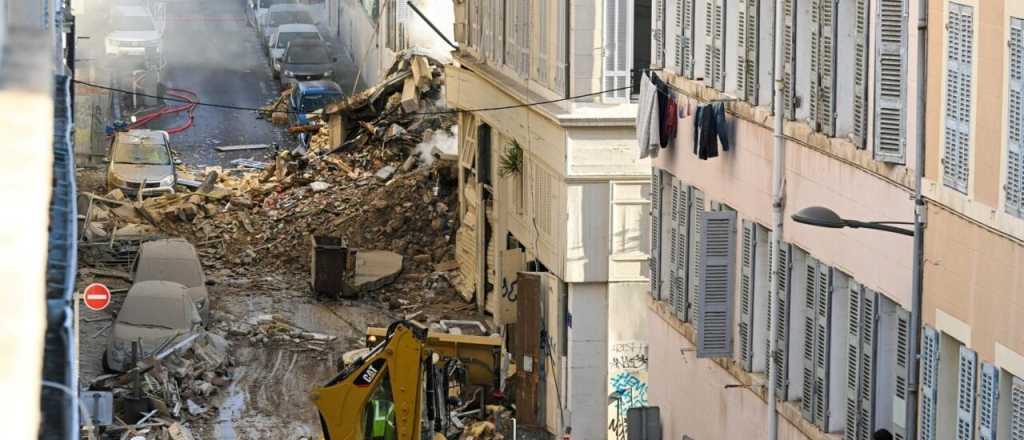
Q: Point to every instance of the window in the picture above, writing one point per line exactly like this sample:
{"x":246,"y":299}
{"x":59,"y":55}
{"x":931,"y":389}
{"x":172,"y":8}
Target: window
{"x":1015,"y":125}
{"x":947,"y":370}
{"x":891,"y":81}
{"x":379,"y":413}
{"x":747,"y":54}
{"x":958,"y":106}
{"x":717,"y":269}
{"x":677,"y":244}
{"x":517,"y":35}
{"x":654,"y":271}
{"x":753,"y":297}
{"x":714,"y":44}
{"x":617,"y":47}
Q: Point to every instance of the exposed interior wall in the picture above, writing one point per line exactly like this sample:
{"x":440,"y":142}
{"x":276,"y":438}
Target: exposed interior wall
{"x":366,"y":43}
{"x":973,"y":274}
{"x":588,"y":358}
{"x":741,"y":178}
{"x":719,"y":413}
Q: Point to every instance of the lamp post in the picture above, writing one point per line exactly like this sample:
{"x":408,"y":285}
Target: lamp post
{"x":827,"y":218}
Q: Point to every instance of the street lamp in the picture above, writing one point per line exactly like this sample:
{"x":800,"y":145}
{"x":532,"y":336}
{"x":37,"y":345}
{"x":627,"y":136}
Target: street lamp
{"x":827,"y":218}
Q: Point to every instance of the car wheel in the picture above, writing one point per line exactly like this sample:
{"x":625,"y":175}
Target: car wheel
{"x":106,"y":364}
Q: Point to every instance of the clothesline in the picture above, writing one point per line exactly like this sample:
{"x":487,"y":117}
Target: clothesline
{"x":681,"y":92}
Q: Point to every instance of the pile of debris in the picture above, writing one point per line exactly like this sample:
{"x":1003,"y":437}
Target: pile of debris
{"x":270,"y":329}
{"x":163,"y":392}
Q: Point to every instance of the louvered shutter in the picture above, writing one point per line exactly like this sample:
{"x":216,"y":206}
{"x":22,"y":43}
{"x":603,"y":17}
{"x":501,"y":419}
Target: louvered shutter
{"x":868,"y":341}
{"x":823,"y":316}
{"x":853,"y":358}
{"x":781,"y":277}
{"x":655,"y":261}
{"x":902,"y":375}
{"x":807,"y":400}
{"x":686,"y":44}
{"x":681,"y":300}
{"x":891,"y":82}
{"x":719,"y":48}
{"x":1017,"y":409}
{"x":474,"y":24}
{"x":616,"y":47}
{"x":957,"y":130}
{"x":511,"y":48}
{"x":747,"y":50}
{"x":498,"y":9}
{"x":988,"y":402}
{"x":543,"y":46}
{"x":748,"y":251}
{"x":1015,"y":125}
{"x":789,"y":58}
{"x":562,"y":65}
{"x":673,"y":239}
{"x":966,"y":386}
{"x":694,"y":260}
{"x":486,"y":30}
{"x":860,"y":76}
{"x":673,"y":35}
{"x":825,"y":113}
{"x":718,"y":261}
{"x":524,"y":37}
{"x":714,"y":43}
{"x":813,"y":91}
{"x":929,"y":383}
{"x":658,"y":32}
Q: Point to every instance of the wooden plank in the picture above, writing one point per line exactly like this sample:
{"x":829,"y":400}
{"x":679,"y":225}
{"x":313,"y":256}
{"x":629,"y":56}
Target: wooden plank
{"x":528,"y":361}
{"x":410,"y":96}
{"x":421,"y":72}
{"x":242,"y":147}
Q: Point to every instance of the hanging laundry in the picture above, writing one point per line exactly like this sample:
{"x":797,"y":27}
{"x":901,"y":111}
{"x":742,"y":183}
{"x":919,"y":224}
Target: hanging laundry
{"x":663,"y":97}
{"x":709,"y":130}
{"x":647,"y":119}
{"x":669,"y":123}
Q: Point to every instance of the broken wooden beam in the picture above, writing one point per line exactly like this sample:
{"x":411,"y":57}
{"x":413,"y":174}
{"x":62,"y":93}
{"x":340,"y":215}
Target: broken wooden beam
{"x":410,"y":96}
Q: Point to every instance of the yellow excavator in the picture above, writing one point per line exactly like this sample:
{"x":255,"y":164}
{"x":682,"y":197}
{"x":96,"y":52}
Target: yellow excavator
{"x":414,"y":384}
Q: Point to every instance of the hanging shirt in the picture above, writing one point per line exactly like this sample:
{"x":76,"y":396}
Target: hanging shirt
{"x":669,"y":123}
{"x":646,"y":115}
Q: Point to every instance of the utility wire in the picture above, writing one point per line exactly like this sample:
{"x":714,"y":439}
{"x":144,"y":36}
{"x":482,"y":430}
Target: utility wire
{"x":439,"y":112}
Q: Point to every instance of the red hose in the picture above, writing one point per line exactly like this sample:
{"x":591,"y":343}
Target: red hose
{"x":188,"y":107}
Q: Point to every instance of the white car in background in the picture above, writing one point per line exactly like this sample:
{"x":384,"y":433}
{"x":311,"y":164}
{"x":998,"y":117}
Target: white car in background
{"x":278,"y":15}
{"x":132,"y":30}
{"x":286,"y":33}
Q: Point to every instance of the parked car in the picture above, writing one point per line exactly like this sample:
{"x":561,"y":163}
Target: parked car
{"x":175,"y":260}
{"x":138,"y":156}
{"x":310,"y":96}
{"x":279,"y":15}
{"x":157,"y":313}
{"x":259,"y":8}
{"x":286,"y":33}
{"x":133,"y":30}
{"x":307,"y":60}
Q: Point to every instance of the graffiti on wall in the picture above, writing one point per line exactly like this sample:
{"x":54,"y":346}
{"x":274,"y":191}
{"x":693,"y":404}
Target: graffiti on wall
{"x":628,"y":356}
{"x":630,"y":391}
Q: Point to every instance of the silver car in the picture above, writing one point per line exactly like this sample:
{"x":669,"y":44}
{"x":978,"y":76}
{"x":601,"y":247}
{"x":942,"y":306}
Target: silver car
{"x":138,"y":156}
{"x":155,"y":314}
{"x":286,"y":33}
{"x":278,"y":15}
{"x":175,"y":260}
{"x":133,"y":29}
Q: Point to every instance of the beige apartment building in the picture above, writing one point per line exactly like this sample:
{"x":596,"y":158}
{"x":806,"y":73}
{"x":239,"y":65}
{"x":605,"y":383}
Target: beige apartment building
{"x":554,"y":201}
{"x":845,"y":294}
{"x":971,"y":360}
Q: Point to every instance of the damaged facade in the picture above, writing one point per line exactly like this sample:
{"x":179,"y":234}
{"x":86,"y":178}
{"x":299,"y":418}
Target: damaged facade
{"x":844,"y":295}
{"x":558,"y":189}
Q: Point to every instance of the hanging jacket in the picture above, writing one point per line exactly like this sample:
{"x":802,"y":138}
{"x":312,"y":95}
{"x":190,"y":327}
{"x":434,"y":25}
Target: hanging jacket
{"x":669,"y":123}
{"x":720,"y":127}
{"x":708,"y":134}
{"x":646,"y":115}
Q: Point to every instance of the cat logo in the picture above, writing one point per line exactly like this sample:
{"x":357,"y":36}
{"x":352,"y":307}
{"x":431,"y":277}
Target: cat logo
{"x":370,"y":373}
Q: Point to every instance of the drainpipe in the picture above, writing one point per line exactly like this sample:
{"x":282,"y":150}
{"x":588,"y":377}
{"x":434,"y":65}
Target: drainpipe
{"x":778,"y":168}
{"x":917,"y":287}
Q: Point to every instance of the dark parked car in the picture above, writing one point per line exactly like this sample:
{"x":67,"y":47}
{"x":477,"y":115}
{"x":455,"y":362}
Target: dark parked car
{"x":307,"y":60}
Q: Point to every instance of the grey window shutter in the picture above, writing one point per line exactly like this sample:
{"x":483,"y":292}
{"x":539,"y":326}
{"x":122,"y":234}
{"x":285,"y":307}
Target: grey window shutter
{"x":824,"y":79}
{"x":748,"y":251}
{"x":966,"y":386}
{"x":891,"y":82}
{"x":719,"y":48}
{"x":673,"y":238}
{"x":511,"y":33}
{"x":813,"y":99}
{"x":860,"y":76}
{"x":988,"y":402}
{"x":718,"y":274}
{"x":869,"y":341}
{"x":781,"y":355}
{"x":655,"y":260}
{"x":1017,"y":409}
{"x":658,"y":34}
{"x":499,"y":34}
{"x":686,"y":47}
{"x":789,"y":58}
{"x":807,"y":401}
{"x":957,"y":130}
{"x":709,"y":43}
{"x":680,"y":299}
{"x":823,"y":318}
{"x":674,"y":34}
{"x":694,"y":260}
{"x":929,"y":383}
{"x":902,"y":375}
{"x":747,"y":50}
{"x":853,"y":359}
{"x":1015,"y":125}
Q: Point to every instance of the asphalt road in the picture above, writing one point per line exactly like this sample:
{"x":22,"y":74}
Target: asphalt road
{"x":212,"y":51}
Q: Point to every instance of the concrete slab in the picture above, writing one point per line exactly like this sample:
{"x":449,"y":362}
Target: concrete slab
{"x":375,"y":269}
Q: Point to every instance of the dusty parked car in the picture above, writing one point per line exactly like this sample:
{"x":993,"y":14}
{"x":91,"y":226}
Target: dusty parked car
{"x":141,"y":155}
{"x":307,"y":60}
{"x":279,"y":15}
{"x":175,"y":260}
{"x":286,"y":33}
{"x":157,"y":313}
{"x":132,"y":30}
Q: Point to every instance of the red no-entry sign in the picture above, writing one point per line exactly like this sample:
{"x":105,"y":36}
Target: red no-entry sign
{"x":96,"y":296}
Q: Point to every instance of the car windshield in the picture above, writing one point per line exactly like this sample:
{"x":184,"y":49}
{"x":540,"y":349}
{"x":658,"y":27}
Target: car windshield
{"x":132,"y":24}
{"x":154,"y":311}
{"x":142,"y":154}
{"x":289,"y":17}
{"x":186,"y":272}
{"x":269,"y":3}
{"x":287,"y":37}
{"x":312,"y":103}
{"x":307,"y":55}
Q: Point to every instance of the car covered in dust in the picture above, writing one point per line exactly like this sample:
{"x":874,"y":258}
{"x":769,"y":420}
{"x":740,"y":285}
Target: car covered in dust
{"x":282,"y":36}
{"x":156,"y":315}
{"x":133,"y":30}
{"x":279,"y":15}
{"x":141,"y":158}
{"x":175,"y":260}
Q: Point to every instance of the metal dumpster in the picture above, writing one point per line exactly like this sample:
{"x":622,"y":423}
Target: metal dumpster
{"x":330,"y":267}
